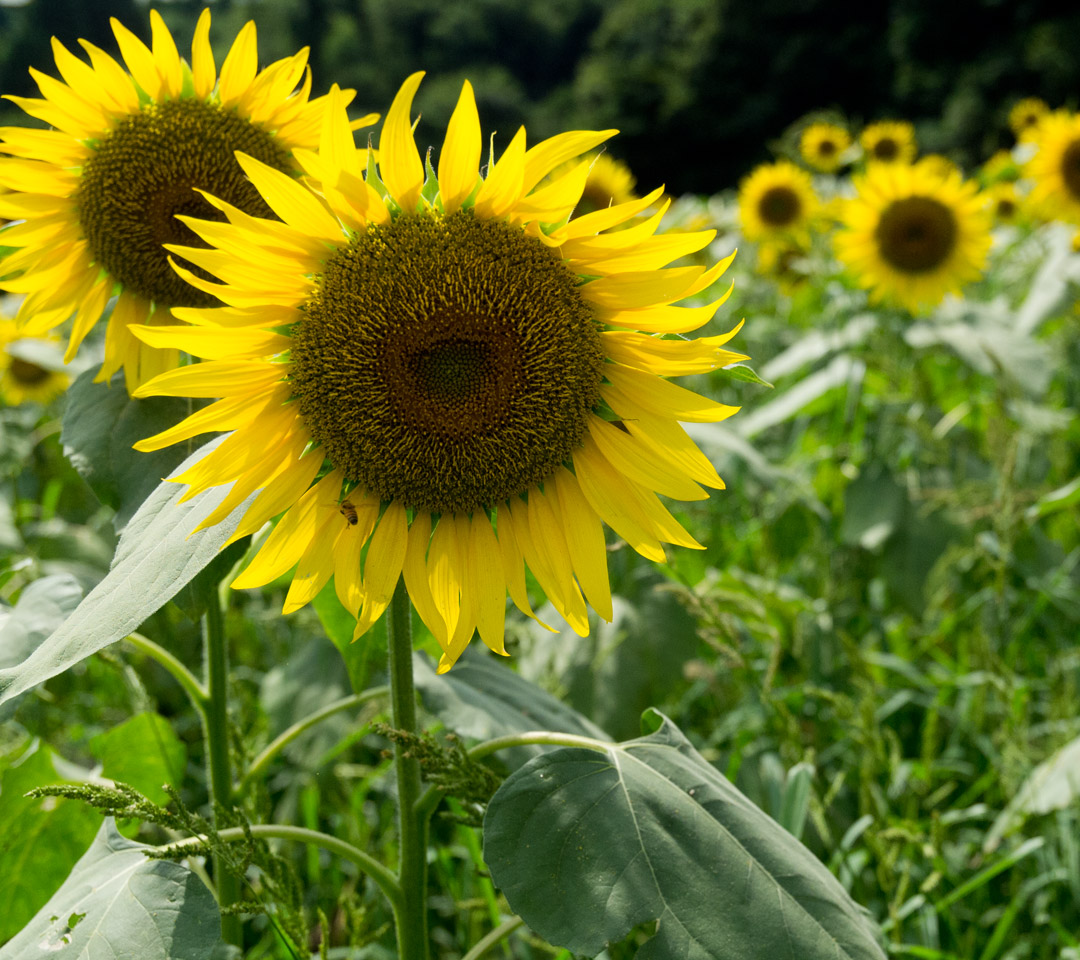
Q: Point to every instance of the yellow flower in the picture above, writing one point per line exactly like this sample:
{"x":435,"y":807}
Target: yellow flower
{"x":913,"y":234}
{"x":1001,"y":166}
{"x":1005,"y":204}
{"x":99,"y":192}
{"x":1055,"y":167}
{"x":822,"y":146}
{"x":22,"y":379}
{"x":441,"y":374}
{"x":1026,"y":115}
{"x":775,"y":200}
{"x":889,"y":141}
{"x":609,"y":182}
{"x":780,"y":260}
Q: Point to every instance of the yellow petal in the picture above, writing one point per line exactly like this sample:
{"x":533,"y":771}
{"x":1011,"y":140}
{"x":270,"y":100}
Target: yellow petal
{"x":550,"y":562}
{"x":664,"y":397}
{"x":416,"y":577}
{"x":203,"y":69}
{"x":316,"y":566}
{"x":382,"y":566}
{"x":280,"y":493}
{"x":399,"y":161}
{"x":665,"y":319}
{"x":485,"y":566}
{"x":89,"y":312}
{"x":82,"y":77}
{"x":598,"y":220}
{"x":557,"y":200}
{"x":629,"y":458}
{"x":121,"y":87}
{"x":585,"y":541}
{"x":337,"y":148}
{"x":654,"y":253}
{"x":667,"y":357}
{"x":513,"y":563}
{"x":548,"y":154}
{"x":212,"y":343}
{"x":215,"y":378}
{"x":503,"y":185}
{"x":228,"y":414}
{"x":291,"y":200}
{"x":641,"y":288}
{"x":140,"y":61}
{"x":240,"y":66}
{"x":444,"y":572}
{"x":459,"y":160}
{"x":358,"y":513}
{"x":166,"y":56}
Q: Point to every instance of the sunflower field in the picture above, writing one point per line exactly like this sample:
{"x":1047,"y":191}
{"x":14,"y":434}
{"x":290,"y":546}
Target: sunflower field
{"x":433,"y":540}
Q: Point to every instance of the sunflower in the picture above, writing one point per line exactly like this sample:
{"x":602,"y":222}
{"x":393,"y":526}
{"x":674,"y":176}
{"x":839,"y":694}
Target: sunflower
{"x":1026,"y":115}
{"x":610,"y":181}
{"x":99,"y":192}
{"x":1005,"y":204}
{"x":912,"y":233}
{"x":22,"y":378}
{"x":889,"y":141}
{"x":822,"y":146}
{"x":776,"y":200}
{"x":1055,"y":167}
{"x":443,"y":371}
{"x":1000,"y":167}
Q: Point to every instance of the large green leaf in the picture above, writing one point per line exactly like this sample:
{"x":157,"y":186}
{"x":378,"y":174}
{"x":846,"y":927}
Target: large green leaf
{"x":586,"y":845}
{"x":482,"y":699}
{"x":156,"y":556}
{"x":117,"y":903}
{"x":40,"y":838}
{"x":143,"y":752}
{"x":101,"y":422}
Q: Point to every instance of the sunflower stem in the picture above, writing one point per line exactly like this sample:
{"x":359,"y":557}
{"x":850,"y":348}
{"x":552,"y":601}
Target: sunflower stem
{"x":216,"y":735}
{"x":411,"y":916}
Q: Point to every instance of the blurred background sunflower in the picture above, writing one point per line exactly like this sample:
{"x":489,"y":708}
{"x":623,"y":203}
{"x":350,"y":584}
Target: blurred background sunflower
{"x":889,"y":141}
{"x":31,"y":364}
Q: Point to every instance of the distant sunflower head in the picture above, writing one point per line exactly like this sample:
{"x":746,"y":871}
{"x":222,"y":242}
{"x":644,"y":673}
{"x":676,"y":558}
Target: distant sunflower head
{"x":128,"y":153}
{"x":776,"y":200}
{"x":889,"y":141}
{"x":1000,"y":167}
{"x":782,"y":260}
{"x":26,"y":377}
{"x":1055,"y":167}
{"x":911,"y":235}
{"x":1004,"y":203}
{"x":444,"y":376}
{"x":822,"y":146}
{"x":1026,"y":115}
{"x":610,"y":182}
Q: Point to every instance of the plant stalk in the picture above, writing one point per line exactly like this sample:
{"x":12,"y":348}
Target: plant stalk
{"x":411,"y":918}
{"x":216,"y":736}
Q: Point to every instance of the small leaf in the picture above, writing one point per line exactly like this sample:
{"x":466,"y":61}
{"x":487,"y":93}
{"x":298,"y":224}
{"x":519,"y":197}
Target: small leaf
{"x":143,"y":752}
{"x":586,"y":845}
{"x":481,"y":699}
{"x":124,"y":905}
{"x":740,"y":371}
{"x":101,"y":423}
{"x":156,"y":556}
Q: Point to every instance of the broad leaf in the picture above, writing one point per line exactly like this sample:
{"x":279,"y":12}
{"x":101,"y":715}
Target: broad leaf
{"x":40,"y":838}
{"x":482,"y":699}
{"x":143,"y":752}
{"x":587,"y":845}
{"x":117,"y":903}
{"x":101,"y":423}
{"x":156,"y":556}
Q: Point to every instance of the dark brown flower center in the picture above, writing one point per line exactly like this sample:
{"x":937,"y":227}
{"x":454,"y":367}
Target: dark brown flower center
{"x":146,"y":171}
{"x":26,"y":373}
{"x":886,"y":149}
{"x":1070,"y":168}
{"x":916,"y":234}
{"x":447,"y":362}
{"x":779,"y":206}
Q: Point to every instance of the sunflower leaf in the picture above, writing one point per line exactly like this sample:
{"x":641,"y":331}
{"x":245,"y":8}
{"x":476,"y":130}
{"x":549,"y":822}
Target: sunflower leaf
{"x":156,"y":557}
{"x":116,"y":901}
{"x":647,"y":830}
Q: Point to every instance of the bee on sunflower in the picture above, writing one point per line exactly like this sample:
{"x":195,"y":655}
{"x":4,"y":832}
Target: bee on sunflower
{"x":913,"y":233}
{"x":777,"y":200}
{"x":477,"y":377}
{"x":128,"y":150}
{"x":889,"y":141}
{"x":822,"y":146}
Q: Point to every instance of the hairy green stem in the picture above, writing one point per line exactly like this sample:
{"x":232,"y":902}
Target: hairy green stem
{"x":216,"y":736}
{"x":485,"y":943}
{"x":411,"y":919}
{"x":283,"y":739}
{"x":196,"y":692}
{"x":384,"y":878}
{"x":427,"y":803}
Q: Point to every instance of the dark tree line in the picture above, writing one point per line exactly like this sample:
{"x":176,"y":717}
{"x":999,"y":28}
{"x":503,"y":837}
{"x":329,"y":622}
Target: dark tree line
{"x":699,"y":88}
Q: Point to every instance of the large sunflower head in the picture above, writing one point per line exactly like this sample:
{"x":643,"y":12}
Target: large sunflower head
{"x":436,"y":374}
{"x":889,"y":141}
{"x":776,"y":200}
{"x":1055,"y":167}
{"x":128,"y":151}
{"x":913,"y":234}
{"x":1026,"y":115}
{"x":822,"y":146}
{"x":24,"y":378}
